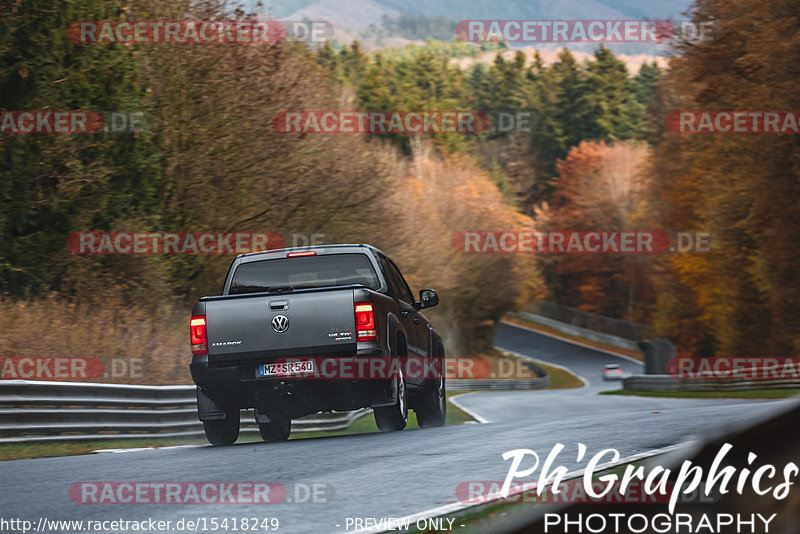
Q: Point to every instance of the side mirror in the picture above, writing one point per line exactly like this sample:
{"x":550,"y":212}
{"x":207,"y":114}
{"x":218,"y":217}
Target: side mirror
{"x":427,"y":299}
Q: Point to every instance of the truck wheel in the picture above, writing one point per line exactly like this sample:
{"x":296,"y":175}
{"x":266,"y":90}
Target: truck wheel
{"x":277,"y":430}
{"x":223,"y":431}
{"x":433,"y":411}
{"x":394,"y":417}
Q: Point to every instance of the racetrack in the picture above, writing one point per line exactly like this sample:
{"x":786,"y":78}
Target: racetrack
{"x":389,"y":475}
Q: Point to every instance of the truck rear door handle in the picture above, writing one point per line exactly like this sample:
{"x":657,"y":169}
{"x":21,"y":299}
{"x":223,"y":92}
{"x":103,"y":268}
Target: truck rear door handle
{"x":276,"y":305}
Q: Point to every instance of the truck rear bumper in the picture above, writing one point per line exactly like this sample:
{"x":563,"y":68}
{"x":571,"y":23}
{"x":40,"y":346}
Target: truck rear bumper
{"x":236,"y":386}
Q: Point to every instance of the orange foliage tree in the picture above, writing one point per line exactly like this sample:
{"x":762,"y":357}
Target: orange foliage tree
{"x":600,"y":187}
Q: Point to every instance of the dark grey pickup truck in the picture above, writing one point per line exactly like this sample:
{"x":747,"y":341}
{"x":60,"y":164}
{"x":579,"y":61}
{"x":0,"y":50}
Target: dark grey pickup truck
{"x":315,"y":329}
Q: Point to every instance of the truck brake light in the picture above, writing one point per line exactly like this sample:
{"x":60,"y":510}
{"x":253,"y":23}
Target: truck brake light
{"x":197,"y":332}
{"x":304,"y":253}
{"x":365,"y":322}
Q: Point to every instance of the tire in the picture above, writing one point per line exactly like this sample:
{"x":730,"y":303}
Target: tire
{"x":277,"y":430}
{"x":222,"y":431}
{"x":394,"y":417}
{"x":433,"y":411}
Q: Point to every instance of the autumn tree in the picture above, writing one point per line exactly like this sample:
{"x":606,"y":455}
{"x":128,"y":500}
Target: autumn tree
{"x":423,"y":215}
{"x":743,"y":188}
{"x":600,"y":187}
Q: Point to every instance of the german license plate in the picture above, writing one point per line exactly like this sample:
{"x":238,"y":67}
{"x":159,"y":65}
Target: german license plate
{"x":286,"y":368}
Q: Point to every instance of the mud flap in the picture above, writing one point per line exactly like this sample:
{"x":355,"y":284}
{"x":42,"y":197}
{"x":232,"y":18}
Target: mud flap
{"x":207,"y":409}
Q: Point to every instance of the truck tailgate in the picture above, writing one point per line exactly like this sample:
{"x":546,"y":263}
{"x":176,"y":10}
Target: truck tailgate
{"x":319,"y":322}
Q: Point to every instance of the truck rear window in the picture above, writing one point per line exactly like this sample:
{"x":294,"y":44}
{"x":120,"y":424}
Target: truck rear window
{"x":304,"y":272}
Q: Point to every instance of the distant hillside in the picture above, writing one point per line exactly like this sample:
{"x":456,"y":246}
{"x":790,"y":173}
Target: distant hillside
{"x":347,"y":13}
{"x":498,"y":9}
{"x":395,"y":23}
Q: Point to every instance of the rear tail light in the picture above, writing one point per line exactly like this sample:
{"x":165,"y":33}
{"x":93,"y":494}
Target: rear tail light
{"x":197,"y":331}
{"x":365,"y":322}
{"x":304,"y":253}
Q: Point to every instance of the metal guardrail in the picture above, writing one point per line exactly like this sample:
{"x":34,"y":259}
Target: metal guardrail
{"x":669,"y":383}
{"x":38,"y":411}
{"x":470,"y":384}
{"x":41,"y":411}
{"x":481,"y":384}
{"x":590,"y":321}
{"x":577,"y":331}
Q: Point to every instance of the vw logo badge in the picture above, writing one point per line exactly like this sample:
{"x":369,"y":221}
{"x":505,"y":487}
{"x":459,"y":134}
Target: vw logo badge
{"x":280,"y":323}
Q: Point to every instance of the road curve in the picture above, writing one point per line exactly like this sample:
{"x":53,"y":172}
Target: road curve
{"x":387,"y":475}
{"x":574,"y":405}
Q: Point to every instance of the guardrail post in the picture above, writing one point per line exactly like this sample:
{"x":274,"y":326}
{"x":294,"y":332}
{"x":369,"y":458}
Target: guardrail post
{"x":656,"y":355}
{"x":649,"y":351}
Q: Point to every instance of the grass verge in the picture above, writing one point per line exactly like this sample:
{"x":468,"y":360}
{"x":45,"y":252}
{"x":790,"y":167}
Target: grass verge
{"x":753,"y":394}
{"x":17,"y":451}
{"x":560,"y":378}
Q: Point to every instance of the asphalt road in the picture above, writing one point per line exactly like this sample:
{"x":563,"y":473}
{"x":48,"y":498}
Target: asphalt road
{"x":585,"y":362}
{"x":386,"y":475}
